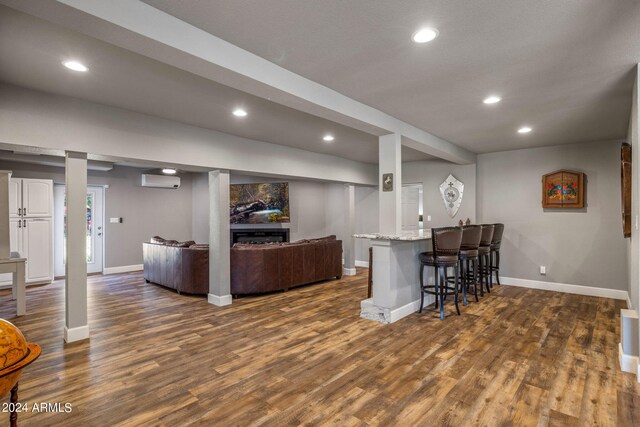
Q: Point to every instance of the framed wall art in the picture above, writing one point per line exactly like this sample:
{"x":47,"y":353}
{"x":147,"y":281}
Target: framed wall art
{"x":563,"y":189}
{"x":625,"y":187}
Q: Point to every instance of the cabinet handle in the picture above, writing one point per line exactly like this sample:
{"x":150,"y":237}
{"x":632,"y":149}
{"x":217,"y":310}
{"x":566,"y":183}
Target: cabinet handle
{"x":24,"y":211}
{"x":19,"y":224}
{"x":19,"y":211}
{"x":24,"y":223}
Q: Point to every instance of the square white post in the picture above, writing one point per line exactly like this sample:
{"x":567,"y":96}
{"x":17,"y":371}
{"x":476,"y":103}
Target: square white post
{"x":76,"y":321}
{"x":348,"y":242}
{"x":219,"y":239}
{"x":390,"y":164}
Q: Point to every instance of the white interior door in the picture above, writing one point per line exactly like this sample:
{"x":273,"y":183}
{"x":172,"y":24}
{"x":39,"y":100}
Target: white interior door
{"x":15,"y":245}
{"x":95,"y":229}
{"x":410,"y":207}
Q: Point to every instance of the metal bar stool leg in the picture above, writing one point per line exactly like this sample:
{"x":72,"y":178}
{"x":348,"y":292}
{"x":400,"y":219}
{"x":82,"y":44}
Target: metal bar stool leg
{"x":455,"y":288}
{"x":421,"y":287}
{"x":475,"y":279}
{"x":442,"y":288}
{"x":497,"y":267}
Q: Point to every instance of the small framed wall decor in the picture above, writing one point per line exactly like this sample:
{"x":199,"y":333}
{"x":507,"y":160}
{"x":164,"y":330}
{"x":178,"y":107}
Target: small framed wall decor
{"x":625,"y":186}
{"x":563,"y":189}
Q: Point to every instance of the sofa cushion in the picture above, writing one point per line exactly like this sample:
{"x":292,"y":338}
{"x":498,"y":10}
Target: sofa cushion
{"x":184,"y":244}
{"x":157,"y":240}
{"x":199,"y":246}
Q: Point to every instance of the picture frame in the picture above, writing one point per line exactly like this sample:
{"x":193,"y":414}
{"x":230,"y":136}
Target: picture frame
{"x":563,"y":189}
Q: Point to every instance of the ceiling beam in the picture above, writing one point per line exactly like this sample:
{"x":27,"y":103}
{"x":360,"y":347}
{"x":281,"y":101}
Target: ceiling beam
{"x":141,"y":28}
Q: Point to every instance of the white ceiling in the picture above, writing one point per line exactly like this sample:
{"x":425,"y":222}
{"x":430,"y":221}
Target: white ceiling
{"x":562,"y":67}
{"x":33,"y":49}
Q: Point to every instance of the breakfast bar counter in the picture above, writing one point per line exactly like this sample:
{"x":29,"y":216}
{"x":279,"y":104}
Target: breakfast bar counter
{"x":396,"y":283}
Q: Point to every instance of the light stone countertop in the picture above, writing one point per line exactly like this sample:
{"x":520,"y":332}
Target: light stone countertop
{"x":407,"y":236}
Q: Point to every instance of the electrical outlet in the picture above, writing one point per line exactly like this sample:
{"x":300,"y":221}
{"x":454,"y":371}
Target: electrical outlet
{"x":543,"y":269}
{"x":115,"y":220}
{"x":428,"y":217}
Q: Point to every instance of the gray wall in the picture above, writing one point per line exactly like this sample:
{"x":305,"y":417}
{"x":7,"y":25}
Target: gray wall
{"x":145,"y":211}
{"x":580,"y":248}
{"x":634,"y":242}
{"x":48,"y":121}
{"x":311,"y":205}
{"x":431,"y":174}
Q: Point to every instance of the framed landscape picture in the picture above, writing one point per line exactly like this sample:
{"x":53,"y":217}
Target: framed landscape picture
{"x":563,"y":189}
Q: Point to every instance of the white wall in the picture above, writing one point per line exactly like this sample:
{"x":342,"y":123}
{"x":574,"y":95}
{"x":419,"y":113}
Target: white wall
{"x":633,"y":138}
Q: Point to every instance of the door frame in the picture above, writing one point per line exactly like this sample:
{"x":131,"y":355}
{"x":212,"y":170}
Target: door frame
{"x":56,"y":245}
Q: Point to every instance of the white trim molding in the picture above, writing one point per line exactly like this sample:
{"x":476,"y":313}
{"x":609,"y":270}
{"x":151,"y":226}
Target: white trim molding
{"x":123,"y":269}
{"x":566,"y":288}
{"x":348,"y":271}
{"x":364,"y":264}
{"x":219,"y":300}
{"x":628,"y":362}
{"x":76,"y":334}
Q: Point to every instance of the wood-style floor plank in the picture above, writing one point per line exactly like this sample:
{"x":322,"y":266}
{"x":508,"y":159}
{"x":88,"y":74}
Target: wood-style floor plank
{"x":305,"y":357}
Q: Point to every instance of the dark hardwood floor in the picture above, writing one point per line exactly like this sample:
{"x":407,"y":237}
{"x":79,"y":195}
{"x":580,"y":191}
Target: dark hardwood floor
{"x":519,"y":357}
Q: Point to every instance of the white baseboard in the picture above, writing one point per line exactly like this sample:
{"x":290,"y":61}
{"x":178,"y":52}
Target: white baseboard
{"x":348,"y":271}
{"x":368,"y":310}
{"x":219,"y":300}
{"x":364,"y":264}
{"x":628,"y":363}
{"x":123,"y":269}
{"x":76,"y":334}
{"x":566,"y":288}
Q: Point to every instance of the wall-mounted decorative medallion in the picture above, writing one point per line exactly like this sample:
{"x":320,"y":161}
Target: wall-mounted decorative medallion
{"x":451,"y":191}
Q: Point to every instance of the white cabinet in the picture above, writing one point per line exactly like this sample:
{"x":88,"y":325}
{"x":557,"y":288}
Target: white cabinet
{"x":37,"y":235}
{"x":31,"y":227}
{"x":37,"y":198}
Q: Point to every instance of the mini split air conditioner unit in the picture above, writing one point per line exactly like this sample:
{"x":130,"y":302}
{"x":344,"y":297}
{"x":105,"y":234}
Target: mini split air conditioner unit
{"x":160,"y":181}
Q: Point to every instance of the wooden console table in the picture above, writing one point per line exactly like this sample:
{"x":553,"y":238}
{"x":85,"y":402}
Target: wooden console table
{"x":16,"y":266}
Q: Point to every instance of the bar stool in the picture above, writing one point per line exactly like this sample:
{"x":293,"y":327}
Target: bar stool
{"x":469,"y":255}
{"x":484,"y":252}
{"x":446,"y":248}
{"x":498,"y":229}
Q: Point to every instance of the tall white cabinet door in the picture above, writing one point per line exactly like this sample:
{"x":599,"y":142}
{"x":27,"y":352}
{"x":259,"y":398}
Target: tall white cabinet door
{"x":15,"y":197}
{"x":37,"y":197}
{"x":37,"y":241}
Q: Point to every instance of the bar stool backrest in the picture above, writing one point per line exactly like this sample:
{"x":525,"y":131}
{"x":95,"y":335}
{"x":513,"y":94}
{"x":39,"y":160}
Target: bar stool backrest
{"x":498,"y":229}
{"x":471,"y":235}
{"x":487,"y":235}
{"x":446,"y":240}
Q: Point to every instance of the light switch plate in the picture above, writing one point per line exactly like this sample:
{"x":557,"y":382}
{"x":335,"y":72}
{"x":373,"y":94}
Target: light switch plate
{"x":115,"y":220}
{"x":543,"y":269}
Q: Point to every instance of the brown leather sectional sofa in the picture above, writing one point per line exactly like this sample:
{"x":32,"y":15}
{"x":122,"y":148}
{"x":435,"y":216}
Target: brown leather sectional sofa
{"x":255,"y":269}
{"x":183,"y":266}
{"x":272,"y":267}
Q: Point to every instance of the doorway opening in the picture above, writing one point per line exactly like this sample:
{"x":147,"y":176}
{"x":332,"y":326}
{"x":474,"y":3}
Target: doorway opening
{"x":95,"y":229}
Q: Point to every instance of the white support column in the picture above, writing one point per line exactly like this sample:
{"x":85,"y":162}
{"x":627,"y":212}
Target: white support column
{"x":348,"y":243}
{"x":390,"y":162}
{"x":219,"y":238}
{"x":76,"y":324}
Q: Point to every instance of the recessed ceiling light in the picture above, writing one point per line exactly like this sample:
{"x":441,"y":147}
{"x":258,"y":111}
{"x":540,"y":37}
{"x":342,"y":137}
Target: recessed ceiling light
{"x":492,"y":99}
{"x":169,"y":171}
{"x":424,"y":35}
{"x":524,"y":129}
{"x":239,"y":112}
{"x":328,"y":138}
{"x":75,"y":66}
